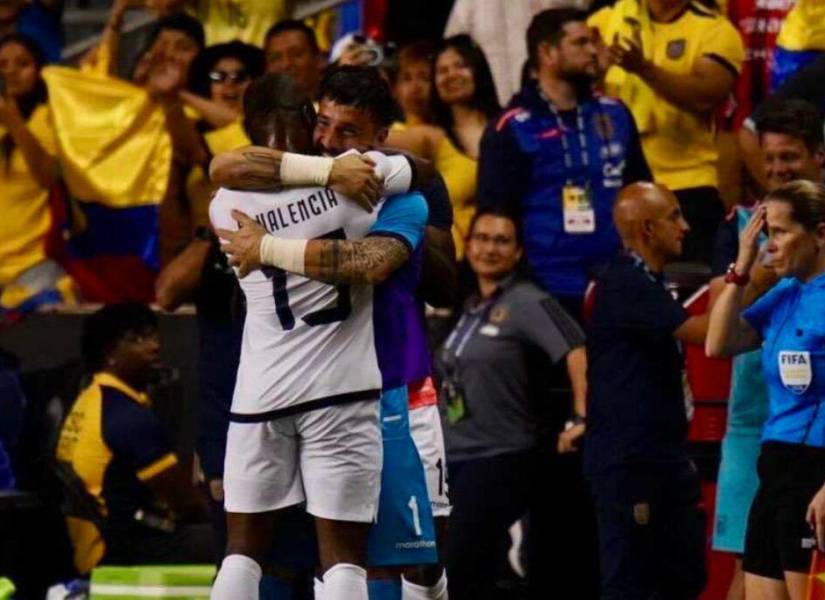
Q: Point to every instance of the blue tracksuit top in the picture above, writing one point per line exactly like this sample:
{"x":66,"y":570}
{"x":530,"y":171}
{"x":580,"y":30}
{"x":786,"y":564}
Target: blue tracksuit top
{"x":522,"y":168}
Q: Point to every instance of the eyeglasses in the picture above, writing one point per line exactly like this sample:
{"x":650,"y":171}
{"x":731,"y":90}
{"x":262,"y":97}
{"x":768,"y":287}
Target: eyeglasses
{"x":497,"y":240}
{"x":231,"y":76}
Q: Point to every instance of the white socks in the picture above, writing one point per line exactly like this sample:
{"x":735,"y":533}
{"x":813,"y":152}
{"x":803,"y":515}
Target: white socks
{"x":342,"y":582}
{"x":238,"y":579}
{"x":413,"y":591}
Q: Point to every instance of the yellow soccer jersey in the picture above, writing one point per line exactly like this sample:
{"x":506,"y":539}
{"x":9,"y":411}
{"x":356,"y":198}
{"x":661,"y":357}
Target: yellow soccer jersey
{"x":804,"y":27}
{"x":245,"y":20}
{"x":113,"y":443}
{"x":25,"y":204}
{"x":679,"y":145}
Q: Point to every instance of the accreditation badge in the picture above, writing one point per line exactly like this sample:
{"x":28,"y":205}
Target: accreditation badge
{"x":577,"y":206}
{"x":795,"y":370}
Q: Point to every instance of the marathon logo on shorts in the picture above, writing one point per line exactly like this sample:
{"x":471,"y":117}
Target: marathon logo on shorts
{"x":795,"y":370}
{"x":297,"y":212}
{"x":415,"y":545}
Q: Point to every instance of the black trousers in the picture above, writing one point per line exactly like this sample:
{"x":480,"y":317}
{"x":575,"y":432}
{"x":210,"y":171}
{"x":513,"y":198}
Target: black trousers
{"x":704,"y":212}
{"x":651,"y":532}
{"x":490,"y":494}
{"x":562,"y":541}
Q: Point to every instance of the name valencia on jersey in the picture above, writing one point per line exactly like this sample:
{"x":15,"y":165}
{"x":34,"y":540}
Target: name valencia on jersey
{"x":299,"y":211}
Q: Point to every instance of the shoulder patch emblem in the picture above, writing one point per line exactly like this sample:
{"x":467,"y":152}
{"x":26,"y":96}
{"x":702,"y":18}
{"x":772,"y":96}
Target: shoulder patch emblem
{"x":499,"y":314}
{"x":603,"y":125}
{"x":676,"y":49}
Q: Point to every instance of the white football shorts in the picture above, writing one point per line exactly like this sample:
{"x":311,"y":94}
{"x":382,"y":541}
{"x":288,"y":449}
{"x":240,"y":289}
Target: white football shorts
{"x":426,"y":431}
{"x":329,"y":458}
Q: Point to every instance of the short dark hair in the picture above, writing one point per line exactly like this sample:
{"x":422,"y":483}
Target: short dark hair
{"x":807,"y":200}
{"x":503,"y":213}
{"x":796,"y":118}
{"x":250,"y":56}
{"x":360,"y":87}
{"x":293,"y":25}
{"x":179,"y":22}
{"x":103,"y":329}
{"x":274,"y":96}
{"x":548,"y":26}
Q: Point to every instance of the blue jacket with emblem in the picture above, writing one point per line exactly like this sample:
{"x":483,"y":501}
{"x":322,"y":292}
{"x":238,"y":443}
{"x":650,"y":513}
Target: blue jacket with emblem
{"x":522,"y":169}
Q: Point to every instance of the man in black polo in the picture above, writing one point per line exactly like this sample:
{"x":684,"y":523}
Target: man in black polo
{"x":646,"y":491}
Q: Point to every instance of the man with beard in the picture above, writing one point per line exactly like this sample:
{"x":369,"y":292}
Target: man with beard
{"x":557,"y":157}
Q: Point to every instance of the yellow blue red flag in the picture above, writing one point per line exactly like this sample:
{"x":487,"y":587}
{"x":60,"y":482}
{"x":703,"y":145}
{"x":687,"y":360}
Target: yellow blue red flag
{"x":116,"y":157}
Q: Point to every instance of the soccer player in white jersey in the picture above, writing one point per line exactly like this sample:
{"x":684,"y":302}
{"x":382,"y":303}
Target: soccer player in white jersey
{"x":346,"y":122}
{"x":304,"y":423}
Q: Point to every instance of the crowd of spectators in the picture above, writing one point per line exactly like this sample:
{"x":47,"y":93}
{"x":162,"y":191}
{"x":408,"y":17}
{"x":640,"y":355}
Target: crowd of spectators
{"x":585,"y":146}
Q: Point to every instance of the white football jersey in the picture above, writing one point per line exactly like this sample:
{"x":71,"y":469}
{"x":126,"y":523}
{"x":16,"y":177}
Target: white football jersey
{"x":303,"y":340}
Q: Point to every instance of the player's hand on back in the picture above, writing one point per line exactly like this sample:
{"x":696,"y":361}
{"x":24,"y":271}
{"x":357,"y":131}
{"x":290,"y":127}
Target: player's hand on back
{"x":243,"y":247}
{"x":353,"y":176}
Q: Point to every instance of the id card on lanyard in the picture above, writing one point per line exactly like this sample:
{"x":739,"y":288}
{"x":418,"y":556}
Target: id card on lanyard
{"x":451,"y":386}
{"x":578,"y":210}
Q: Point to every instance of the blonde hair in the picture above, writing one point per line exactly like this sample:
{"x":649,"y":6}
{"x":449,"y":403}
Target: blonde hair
{"x":807,"y":200}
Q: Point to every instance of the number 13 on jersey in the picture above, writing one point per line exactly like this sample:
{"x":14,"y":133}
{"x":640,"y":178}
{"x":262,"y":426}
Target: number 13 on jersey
{"x":280,"y":293}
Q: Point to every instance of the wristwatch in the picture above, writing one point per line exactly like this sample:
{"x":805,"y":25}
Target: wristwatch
{"x":731,"y":276}
{"x":575,"y":420}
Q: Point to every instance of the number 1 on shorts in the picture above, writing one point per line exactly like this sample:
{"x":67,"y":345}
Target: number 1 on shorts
{"x":413,"y":504}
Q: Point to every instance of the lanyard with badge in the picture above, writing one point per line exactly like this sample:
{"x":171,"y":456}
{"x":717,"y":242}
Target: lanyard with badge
{"x":577,"y":200}
{"x":451,"y":386}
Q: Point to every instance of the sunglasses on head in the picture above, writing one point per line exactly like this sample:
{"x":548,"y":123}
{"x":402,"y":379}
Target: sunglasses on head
{"x":230,"y":76}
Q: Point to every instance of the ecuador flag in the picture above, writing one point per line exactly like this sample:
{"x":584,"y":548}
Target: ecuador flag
{"x":116,"y":156}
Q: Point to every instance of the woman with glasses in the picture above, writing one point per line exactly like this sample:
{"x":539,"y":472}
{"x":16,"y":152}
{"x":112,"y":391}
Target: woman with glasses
{"x":218,"y":78}
{"x":491,"y":369}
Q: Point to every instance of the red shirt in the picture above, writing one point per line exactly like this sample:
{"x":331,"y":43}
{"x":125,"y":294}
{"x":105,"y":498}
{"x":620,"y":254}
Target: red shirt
{"x":758,"y":21}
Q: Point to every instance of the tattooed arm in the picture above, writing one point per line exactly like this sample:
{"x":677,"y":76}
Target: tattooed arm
{"x":249,"y":168}
{"x":259,"y":168}
{"x":369,"y":261}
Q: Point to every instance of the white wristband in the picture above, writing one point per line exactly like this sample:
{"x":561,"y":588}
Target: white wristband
{"x":284,"y":254}
{"x":297,"y":169}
